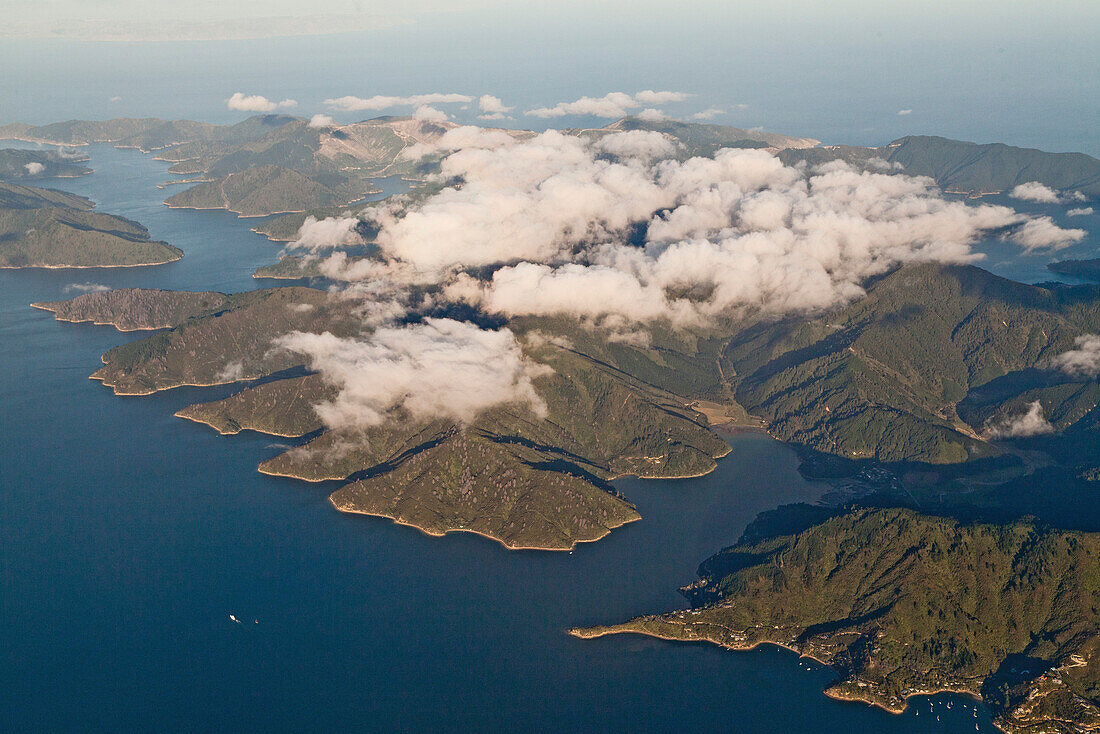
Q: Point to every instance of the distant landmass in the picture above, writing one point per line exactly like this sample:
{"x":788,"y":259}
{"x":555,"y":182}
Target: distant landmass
{"x":25,"y":165}
{"x":271,"y":164}
{"x":52,"y":229}
{"x":1087,"y":269}
{"x":902,"y":604}
{"x":701,"y":139}
{"x":967,"y":168}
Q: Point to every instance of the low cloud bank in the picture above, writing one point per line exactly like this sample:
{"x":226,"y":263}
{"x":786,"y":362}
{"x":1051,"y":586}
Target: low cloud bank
{"x":257,"y":103}
{"x":613,"y":104}
{"x":559,"y":221}
{"x":1034,"y":191}
{"x":384,"y":102}
{"x":440,"y":368}
{"x":492,"y":108}
{"x":1083,"y":361}
{"x":1043,"y":234}
{"x":1043,"y":194}
{"x":613,"y":230}
{"x":1029,"y":423}
{"x":320,"y":234}
{"x":87,"y":287}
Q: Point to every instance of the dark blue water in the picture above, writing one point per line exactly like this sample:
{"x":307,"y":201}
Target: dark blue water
{"x":128,"y":536}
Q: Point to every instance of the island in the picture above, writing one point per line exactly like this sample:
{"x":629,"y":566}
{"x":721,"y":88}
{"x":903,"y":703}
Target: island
{"x":44,"y":228}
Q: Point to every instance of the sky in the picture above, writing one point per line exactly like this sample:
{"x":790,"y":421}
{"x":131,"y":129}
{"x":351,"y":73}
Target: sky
{"x":842,"y":72}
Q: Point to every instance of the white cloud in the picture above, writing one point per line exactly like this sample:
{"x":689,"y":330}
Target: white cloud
{"x":1043,"y":234}
{"x":651,"y":114}
{"x":257,"y":103}
{"x":433,"y":114}
{"x":232,"y":372}
{"x":1083,"y":211}
{"x":457,"y":138}
{"x":550,"y":224}
{"x":321,"y":234}
{"x":646,"y":144}
{"x":1029,"y":423}
{"x":1034,"y":191}
{"x":382,"y":102}
{"x":903,"y":113}
{"x":1084,"y":360}
{"x":552,"y":216}
{"x":115,"y":98}
{"x":436,"y":369}
{"x":492,"y":108}
{"x":319,"y":121}
{"x":34,"y":168}
{"x":87,"y":287}
{"x":648,"y":96}
{"x":708,"y":114}
{"x":613,"y":104}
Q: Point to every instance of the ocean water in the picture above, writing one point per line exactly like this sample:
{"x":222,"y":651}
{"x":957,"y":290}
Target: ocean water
{"x":128,"y":537}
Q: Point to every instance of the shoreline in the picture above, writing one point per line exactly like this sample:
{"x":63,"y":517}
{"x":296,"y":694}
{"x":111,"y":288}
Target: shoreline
{"x":240,"y":215}
{"x":296,"y":477}
{"x":507,"y":546}
{"x":44,"y":306}
{"x":103,"y":379}
{"x":590,"y":633}
{"x":89,"y":267}
{"x":195,"y":419}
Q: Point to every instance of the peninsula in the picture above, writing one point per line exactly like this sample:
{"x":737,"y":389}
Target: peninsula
{"x":44,"y":228}
{"x":901,"y":604}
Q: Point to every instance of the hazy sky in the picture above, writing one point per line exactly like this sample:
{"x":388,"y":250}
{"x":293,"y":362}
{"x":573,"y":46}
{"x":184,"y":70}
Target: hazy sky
{"x":53,"y":18}
{"x":841,"y":71}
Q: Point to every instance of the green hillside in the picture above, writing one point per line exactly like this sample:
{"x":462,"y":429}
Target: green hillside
{"x":44,"y":228}
{"x":882,"y":378}
{"x":25,"y":165}
{"x":902,"y":604}
{"x":967,"y":168}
